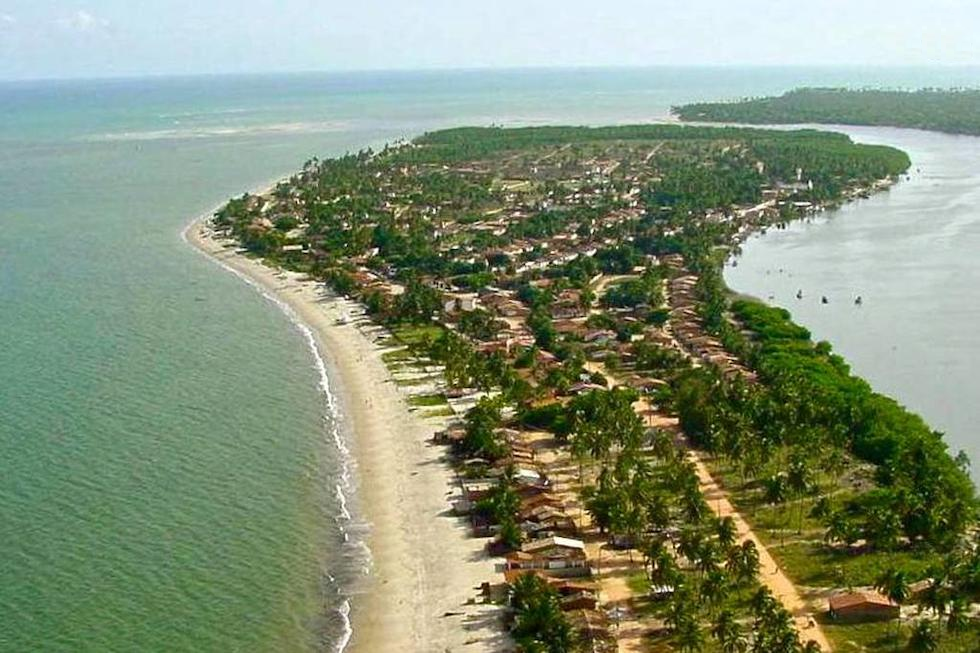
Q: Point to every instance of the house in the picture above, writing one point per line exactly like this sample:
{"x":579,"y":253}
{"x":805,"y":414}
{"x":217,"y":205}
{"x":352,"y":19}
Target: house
{"x":494,"y":592}
{"x":547,"y":519}
{"x":559,"y":556}
{"x":451,"y":435}
{"x":547,"y":499}
{"x":581,"y":601}
{"x":545,"y":358}
{"x":574,"y":327}
{"x":600,"y":336}
{"x":459,"y":302}
{"x":567,"y":588}
{"x":862,"y":606}
{"x":567,"y":310}
{"x":529,"y":477}
{"x":582,"y":387}
{"x":476,"y":489}
{"x":483,"y":525}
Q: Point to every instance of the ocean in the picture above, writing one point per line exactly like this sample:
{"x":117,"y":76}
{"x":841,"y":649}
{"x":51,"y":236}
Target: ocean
{"x":174,"y":475}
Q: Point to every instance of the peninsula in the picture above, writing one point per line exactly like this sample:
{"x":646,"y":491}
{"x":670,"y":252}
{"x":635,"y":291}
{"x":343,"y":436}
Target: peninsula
{"x":952,"y":111}
{"x":571,"y":436}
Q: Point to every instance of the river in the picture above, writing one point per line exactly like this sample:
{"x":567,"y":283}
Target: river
{"x":913,"y":256}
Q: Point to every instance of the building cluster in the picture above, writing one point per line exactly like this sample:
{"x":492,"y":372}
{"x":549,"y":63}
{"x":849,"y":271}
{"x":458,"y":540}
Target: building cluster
{"x":547,"y":213}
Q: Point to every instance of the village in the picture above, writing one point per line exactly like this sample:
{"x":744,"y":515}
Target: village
{"x":564,"y":298}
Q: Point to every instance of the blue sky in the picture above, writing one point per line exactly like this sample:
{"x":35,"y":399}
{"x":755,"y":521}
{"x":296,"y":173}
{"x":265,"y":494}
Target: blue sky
{"x":52,"y":38}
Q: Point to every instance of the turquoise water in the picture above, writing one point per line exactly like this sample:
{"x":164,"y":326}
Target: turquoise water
{"x":169,"y":478}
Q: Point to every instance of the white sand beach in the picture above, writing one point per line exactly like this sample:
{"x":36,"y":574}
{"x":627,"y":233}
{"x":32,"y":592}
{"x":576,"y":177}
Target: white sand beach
{"x":426,"y":569}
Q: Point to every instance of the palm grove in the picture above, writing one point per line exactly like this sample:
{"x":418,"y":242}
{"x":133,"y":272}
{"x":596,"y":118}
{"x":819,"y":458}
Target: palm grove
{"x":533,"y":217}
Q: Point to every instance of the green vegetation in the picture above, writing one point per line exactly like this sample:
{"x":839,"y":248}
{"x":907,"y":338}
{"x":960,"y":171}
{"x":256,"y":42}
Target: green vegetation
{"x":539,"y":624}
{"x":427,"y":400}
{"x":925,"y":495}
{"x":535,"y":265}
{"x":951,"y":111}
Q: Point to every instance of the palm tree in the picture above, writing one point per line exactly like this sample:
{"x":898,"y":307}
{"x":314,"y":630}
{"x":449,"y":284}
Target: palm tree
{"x":726,"y":532}
{"x":632,"y":523}
{"x":663,"y":567}
{"x":728,"y":633}
{"x":924,"y":638}
{"x":707,"y":557}
{"x":841,"y":529}
{"x":695,"y":507}
{"x":689,"y":544}
{"x":775,"y":489}
{"x":689,"y":636}
{"x":958,"y":615}
{"x":935,"y":595}
{"x":662,"y":445}
{"x":894,"y":584}
{"x":743,"y":562}
{"x":714,"y":589}
{"x":798,"y":480}
{"x":763,"y":602}
{"x":682,"y":607}
{"x":658,"y":511}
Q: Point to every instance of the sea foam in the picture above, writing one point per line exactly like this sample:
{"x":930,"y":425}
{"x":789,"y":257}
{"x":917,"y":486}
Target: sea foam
{"x":333,"y":420}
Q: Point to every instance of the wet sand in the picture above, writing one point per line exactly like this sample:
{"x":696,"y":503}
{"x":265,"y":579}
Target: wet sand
{"x":425,"y":567}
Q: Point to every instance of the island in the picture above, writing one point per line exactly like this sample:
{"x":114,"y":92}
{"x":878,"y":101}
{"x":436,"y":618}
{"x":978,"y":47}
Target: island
{"x":954,"y":111}
{"x":639,"y":459}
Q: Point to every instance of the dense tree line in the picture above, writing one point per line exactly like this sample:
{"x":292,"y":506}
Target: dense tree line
{"x":953,"y":111}
{"x":929,"y":494}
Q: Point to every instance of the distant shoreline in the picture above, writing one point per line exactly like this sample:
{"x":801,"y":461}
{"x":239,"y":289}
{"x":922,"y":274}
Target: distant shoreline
{"x":948,"y":111}
{"x":423,"y":564}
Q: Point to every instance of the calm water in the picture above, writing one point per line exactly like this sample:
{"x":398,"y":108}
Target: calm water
{"x":169,"y":464}
{"x":913,"y":256}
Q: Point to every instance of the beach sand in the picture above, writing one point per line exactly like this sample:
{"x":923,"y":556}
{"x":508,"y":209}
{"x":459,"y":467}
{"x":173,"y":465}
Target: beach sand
{"x":425,"y":566}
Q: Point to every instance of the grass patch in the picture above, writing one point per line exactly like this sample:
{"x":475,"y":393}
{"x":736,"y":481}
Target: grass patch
{"x":786,"y":517}
{"x":396,"y":356}
{"x":805,"y":558}
{"x":856,"y":638}
{"x":880,"y":637}
{"x":638,"y":583}
{"x":428,"y":400}
{"x":439,"y":412}
{"x":414,"y":335}
{"x":810,"y":563}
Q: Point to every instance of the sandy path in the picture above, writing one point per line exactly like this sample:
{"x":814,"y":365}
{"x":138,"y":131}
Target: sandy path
{"x":611,"y":568}
{"x":602,"y":285}
{"x":770,"y":574}
{"x":424,"y":563}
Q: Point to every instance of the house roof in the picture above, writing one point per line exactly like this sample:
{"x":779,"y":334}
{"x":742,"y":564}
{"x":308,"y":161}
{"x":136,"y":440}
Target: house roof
{"x":857,"y":599}
{"x":565,"y":542}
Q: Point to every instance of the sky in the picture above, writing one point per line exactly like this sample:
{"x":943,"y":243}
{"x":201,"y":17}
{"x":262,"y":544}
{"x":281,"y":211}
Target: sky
{"x":107,"y":38}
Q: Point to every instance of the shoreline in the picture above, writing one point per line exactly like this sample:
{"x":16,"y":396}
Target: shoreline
{"x":423,"y":562}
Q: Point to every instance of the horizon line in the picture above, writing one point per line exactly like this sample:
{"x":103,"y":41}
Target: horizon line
{"x":483,"y":69}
